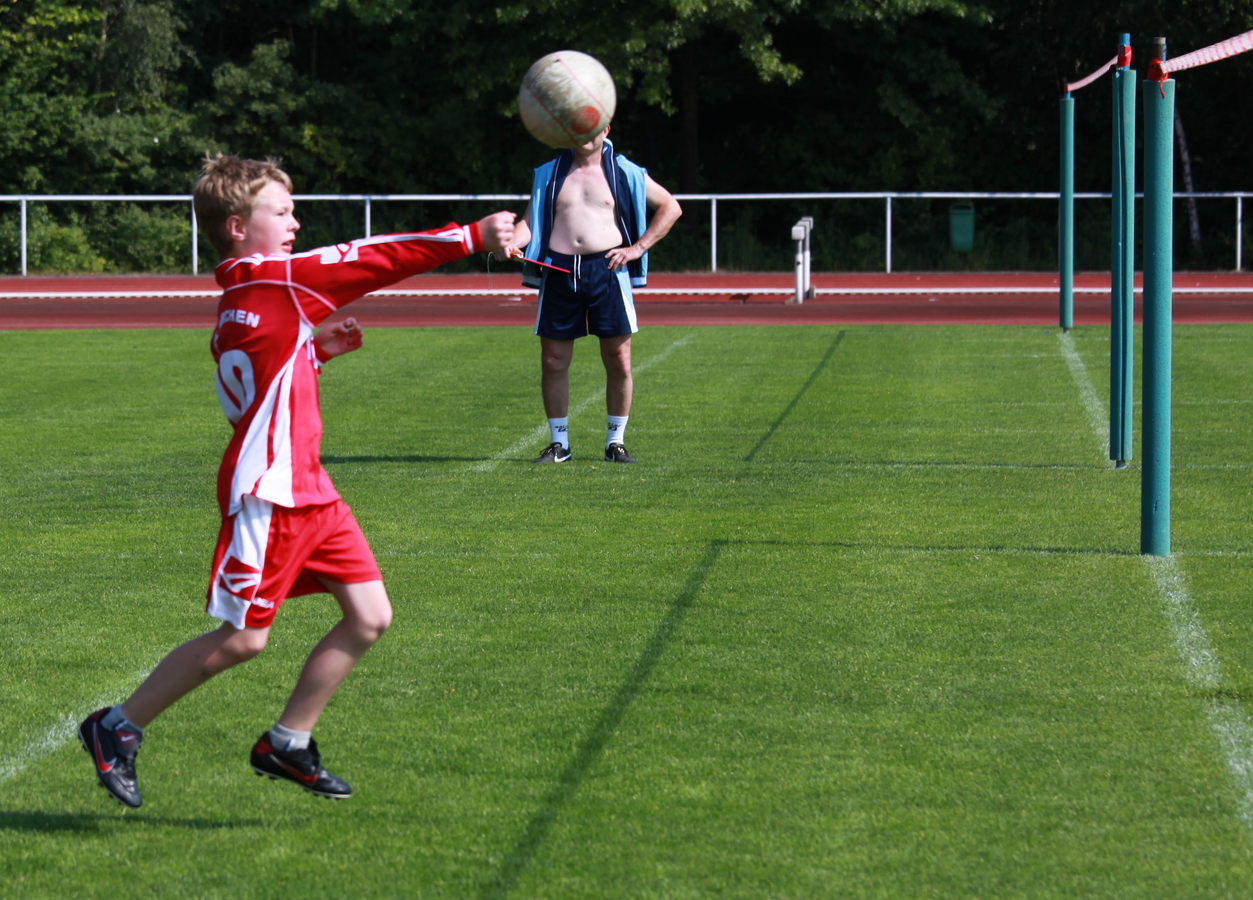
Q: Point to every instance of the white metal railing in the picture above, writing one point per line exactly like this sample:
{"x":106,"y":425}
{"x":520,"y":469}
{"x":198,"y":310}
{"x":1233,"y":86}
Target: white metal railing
{"x":367,"y":201}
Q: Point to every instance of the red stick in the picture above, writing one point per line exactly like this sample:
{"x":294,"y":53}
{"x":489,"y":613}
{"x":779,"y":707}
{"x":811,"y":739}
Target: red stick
{"x":519,"y":256}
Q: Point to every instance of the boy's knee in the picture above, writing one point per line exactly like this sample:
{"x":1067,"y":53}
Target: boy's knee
{"x":239,"y":647}
{"x":369,"y":614}
{"x":248,"y":642}
{"x":374,"y":624}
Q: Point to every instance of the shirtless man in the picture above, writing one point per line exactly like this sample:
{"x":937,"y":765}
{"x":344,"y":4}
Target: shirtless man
{"x":588,"y":215}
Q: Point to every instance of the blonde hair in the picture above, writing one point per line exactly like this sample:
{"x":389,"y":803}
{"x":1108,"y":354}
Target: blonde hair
{"x":227,"y":186}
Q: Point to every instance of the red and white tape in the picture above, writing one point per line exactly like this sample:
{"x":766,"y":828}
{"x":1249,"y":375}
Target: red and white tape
{"x":1084,"y":82}
{"x":1213,"y":53}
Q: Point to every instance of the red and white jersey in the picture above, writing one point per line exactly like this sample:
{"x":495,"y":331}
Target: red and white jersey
{"x":267,"y":363}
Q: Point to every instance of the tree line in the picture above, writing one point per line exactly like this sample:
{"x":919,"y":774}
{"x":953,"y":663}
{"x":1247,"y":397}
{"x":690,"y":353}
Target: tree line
{"x":398,"y":96}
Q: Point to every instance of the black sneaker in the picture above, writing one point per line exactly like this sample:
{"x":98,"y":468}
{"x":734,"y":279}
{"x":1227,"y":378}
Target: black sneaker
{"x":554,"y":452}
{"x":113,"y":757}
{"x":304,"y":767}
{"x":617,"y":453}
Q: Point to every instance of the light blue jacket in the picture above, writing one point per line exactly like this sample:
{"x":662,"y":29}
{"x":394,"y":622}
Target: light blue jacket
{"x":626,"y":182}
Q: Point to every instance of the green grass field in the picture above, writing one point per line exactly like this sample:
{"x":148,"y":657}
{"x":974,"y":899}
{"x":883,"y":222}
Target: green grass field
{"x":869,"y":619}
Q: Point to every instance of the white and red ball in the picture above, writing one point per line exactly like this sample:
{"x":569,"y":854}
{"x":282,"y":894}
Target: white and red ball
{"x":566,"y":99}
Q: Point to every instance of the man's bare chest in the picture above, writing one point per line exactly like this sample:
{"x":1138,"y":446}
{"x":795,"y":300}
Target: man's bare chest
{"x":585,"y":189}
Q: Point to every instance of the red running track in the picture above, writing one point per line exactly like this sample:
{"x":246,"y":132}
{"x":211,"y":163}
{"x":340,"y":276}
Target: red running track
{"x":671,"y":299}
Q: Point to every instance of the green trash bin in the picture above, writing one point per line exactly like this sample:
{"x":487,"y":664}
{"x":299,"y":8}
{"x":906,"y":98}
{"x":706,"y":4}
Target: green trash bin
{"x":961,"y":226}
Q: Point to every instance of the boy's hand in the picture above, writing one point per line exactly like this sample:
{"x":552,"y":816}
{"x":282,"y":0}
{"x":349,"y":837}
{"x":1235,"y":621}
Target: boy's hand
{"x":506,"y":253}
{"x":496,"y":230}
{"x":340,"y":338}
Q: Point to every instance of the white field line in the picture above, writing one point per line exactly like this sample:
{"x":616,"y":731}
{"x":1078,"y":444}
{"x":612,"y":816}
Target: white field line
{"x":1202,"y":667}
{"x":1204,"y":671}
{"x":539,"y":432}
{"x":40,"y":746}
{"x":52,"y":739}
{"x":1092,"y":404}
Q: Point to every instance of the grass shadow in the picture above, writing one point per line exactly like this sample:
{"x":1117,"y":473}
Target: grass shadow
{"x":990,"y":549}
{"x":593,"y":745}
{"x":813,"y":376}
{"x":83,"y":823}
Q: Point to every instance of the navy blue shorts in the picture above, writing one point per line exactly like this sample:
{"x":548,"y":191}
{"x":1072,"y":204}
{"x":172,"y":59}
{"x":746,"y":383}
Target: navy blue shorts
{"x":590,"y":300}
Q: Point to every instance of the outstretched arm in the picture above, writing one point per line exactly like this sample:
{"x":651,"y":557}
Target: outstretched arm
{"x":327,"y":279}
{"x":340,"y":338}
{"x":521,"y":237}
{"x":497,"y":230}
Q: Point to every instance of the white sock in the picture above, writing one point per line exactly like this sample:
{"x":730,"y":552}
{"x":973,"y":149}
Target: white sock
{"x":560,"y":427}
{"x":617,"y":429}
{"x":285,"y":739}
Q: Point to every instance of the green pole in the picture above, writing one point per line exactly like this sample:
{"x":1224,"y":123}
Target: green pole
{"x":1066,"y":216}
{"x":1117,"y":209}
{"x":1122,"y":266}
{"x":1159,"y":187}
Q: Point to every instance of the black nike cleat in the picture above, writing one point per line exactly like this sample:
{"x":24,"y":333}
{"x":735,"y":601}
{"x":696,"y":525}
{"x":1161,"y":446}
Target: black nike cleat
{"x":303,"y":767}
{"x":618,"y":453}
{"x":553,"y":453}
{"x":113,"y":757}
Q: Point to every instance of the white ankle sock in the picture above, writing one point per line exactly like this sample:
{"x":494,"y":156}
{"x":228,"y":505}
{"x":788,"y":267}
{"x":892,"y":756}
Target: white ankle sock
{"x":286,"y":739}
{"x":560,"y":427}
{"x":616,"y":431}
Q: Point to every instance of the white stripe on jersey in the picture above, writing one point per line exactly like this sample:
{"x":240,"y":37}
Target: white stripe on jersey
{"x":255,"y":472}
{"x":291,"y":286}
{"x":336,"y":253}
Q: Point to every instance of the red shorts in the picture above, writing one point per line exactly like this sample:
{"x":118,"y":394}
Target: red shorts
{"x":267,"y":553}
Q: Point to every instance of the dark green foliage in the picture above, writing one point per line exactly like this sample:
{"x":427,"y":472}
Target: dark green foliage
{"x":125,"y":96}
{"x":57,"y":245}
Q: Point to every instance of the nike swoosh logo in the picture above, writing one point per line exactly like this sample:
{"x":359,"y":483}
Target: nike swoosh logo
{"x":307,"y":779}
{"x":104,"y":765}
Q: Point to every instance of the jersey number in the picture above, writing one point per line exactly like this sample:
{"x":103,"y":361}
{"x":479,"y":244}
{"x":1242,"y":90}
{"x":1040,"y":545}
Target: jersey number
{"x":236,"y":387}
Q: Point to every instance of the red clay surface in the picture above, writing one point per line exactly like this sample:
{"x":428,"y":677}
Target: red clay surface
{"x":148,"y":301}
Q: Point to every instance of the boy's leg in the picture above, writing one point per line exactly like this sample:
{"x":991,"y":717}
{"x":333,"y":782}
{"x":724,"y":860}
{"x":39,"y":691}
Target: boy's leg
{"x":190,"y":665}
{"x":367,"y":613}
{"x":112,"y":736}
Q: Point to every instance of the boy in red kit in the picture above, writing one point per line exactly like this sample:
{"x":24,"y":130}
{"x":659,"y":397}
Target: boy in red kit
{"x":285,"y":531}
